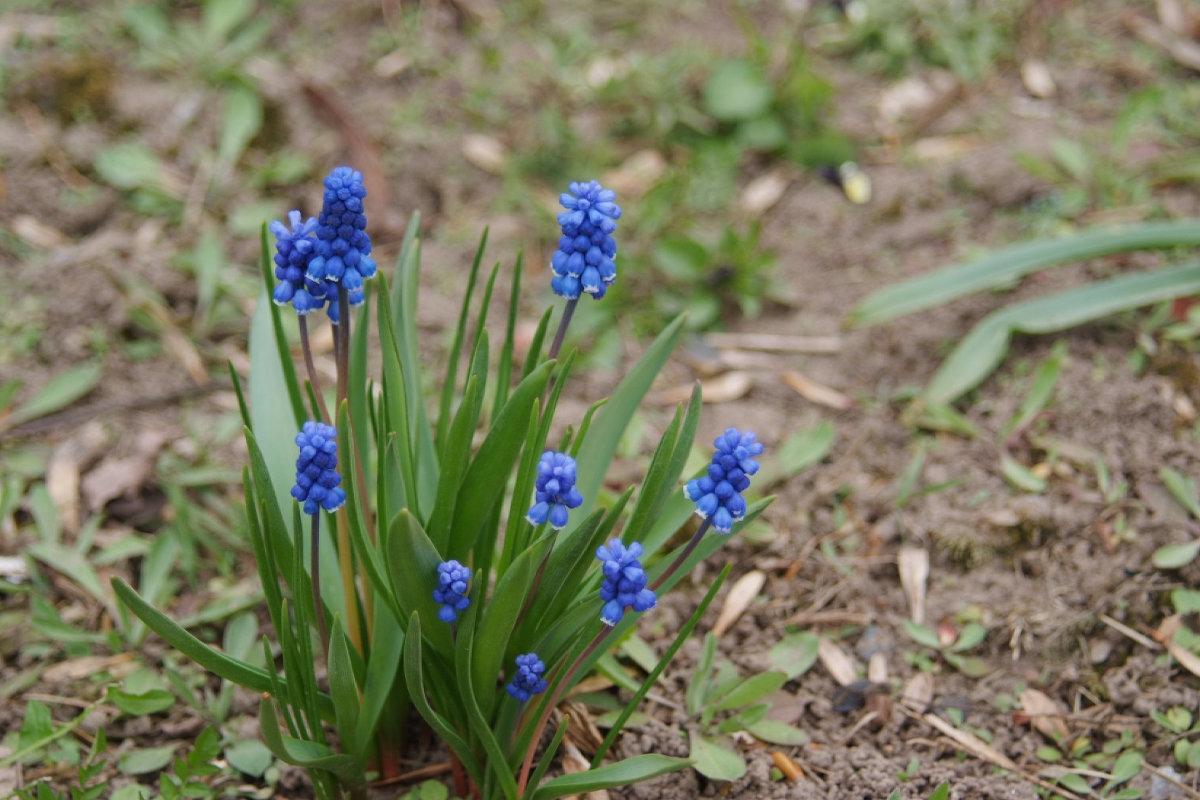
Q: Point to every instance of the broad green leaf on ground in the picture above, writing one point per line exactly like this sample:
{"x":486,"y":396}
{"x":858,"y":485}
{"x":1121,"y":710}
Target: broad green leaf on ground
{"x":795,"y":654}
{"x":1182,"y":488}
{"x":249,"y":756}
{"x":240,"y":123}
{"x":1020,"y":475}
{"x":797,"y":453}
{"x":1003,"y":267}
{"x":1174,"y":556}
{"x":716,"y":759}
{"x":61,"y":390}
{"x":149,"y":759}
{"x":737,"y":90}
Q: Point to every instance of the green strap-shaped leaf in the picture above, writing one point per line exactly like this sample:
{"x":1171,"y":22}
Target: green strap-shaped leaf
{"x":606,"y":430}
{"x":1004,"y":267}
{"x":488,"y":474}
{"x":504,"y":365}
{"x":404,"y":311}
{"x":623,"y":773}
{"x":499,"y":621}
{"x":216,"y":662}
{"x":343,"y":690}
{"x":383,"y":673}
{"x":457,"y":458}
{"x":450,"y":383}
{"x":396,"y":402}
{"x":481,"y":730}
{"x":974,"y":358}
{"x":416,"y":685}
{"x":412,"y":563}
{"x":301,"y":753}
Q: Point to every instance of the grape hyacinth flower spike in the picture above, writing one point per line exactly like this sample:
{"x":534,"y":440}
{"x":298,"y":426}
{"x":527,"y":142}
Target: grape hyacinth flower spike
{"x":317,"y":479}
{"x":584,"y":262}
{"x":718,"y":494}
{"x":584,"y":259}
{"x":554,"y":490}
{"x":342,"y":258}
{"x":528,"y":680}
{"x":453,"y":584}
{"x":294,"y":248}
{"x":624,"y":584}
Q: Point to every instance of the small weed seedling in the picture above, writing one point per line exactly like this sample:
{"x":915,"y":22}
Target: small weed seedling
{"x":949,"y":647}
{"x":720,"y":702}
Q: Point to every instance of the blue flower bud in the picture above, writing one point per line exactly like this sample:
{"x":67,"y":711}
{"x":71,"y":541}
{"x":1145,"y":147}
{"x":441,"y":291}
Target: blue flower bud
{"x":718,"y":494}
{"x":317,"y":479}
{"x":528,"y":679}
{"x":554,"y":490}
{"x":624,"y":584}
{"x":453,"y":585}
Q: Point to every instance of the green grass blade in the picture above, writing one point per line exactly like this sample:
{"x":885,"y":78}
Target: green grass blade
{"x":307,"y":754}
{"x":1004,"y":267}
{"x":984,"y":347}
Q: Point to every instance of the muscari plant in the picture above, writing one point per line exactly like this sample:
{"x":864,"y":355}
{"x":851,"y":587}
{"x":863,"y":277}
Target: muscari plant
{"x":458,"y":564}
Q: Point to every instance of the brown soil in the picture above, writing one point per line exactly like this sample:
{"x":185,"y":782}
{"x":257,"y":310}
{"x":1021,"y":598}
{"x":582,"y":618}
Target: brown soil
{"x":1039,"y":571}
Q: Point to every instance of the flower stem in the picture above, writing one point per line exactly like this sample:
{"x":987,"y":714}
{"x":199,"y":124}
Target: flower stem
{"x":559,"y":688}
{"x":568,"y":312}
{"x":318,"y":603}
{"x":341,"y":345}
{"x":312,"y":370}
{"x":683,"y":556}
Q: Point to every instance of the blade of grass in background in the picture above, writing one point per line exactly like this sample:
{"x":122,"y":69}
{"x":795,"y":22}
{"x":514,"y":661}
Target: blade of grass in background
{"x":1005,"y":266}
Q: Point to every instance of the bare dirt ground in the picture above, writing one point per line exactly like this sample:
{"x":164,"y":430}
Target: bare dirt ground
{"x":1046,"y":574}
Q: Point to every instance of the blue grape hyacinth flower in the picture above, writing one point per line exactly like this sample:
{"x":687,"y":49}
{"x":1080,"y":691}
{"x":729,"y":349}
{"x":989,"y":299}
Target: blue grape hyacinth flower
{"x":343,"y":248}
{"x":294,"y":248}
{"x":718,"y":494}
{"x":554,"y":490}
{"x":453,"y":584}
{"x":624,"y":584}
{"x":528,"y":680}
{"x":317,"y":479}
{"x":584,"y":261}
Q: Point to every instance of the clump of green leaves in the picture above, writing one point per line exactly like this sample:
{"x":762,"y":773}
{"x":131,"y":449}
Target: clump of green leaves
{"x":720,"y":702}
{"x":953,"y":650}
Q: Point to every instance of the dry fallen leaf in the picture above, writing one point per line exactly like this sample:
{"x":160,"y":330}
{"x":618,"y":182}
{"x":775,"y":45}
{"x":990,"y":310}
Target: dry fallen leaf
{"x":816,"y":392}
{"x":574,"y":762}
{"x":760,"y":194}
{"x":1044,"y":714}
{"x":637,"y":175}
{"x":724,"y":388}
{"x":775,"y":342}
{"x":913,"y":563}
{"x":918,"y":692}
{"x":76,"y":669}
{"x":1166,"y":634}
{"x":484,"y":152}
{"x":114,"y":477}
{"x":839,"y":663}
{"x":62,"y":473}
{"x":739,"y":599}
{"x":1037,"y":79}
